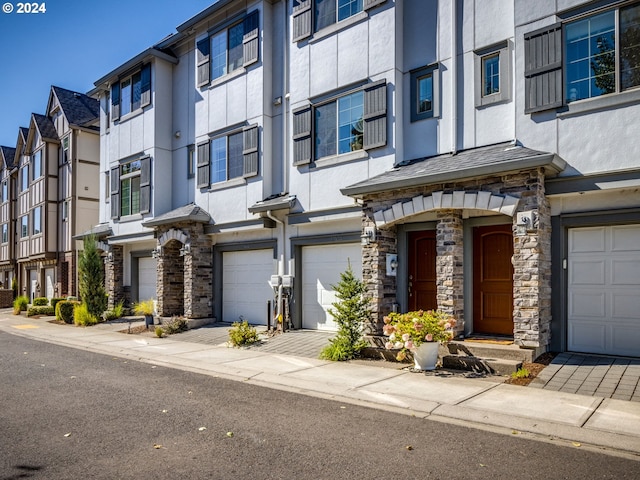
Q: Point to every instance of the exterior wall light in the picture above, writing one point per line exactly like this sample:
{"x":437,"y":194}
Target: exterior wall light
{"x":368,"y":235}
{"x":185,"y":250}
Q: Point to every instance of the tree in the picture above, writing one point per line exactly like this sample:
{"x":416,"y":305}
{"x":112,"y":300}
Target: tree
{"x":90,"y":278}
{"x":349,"y":312}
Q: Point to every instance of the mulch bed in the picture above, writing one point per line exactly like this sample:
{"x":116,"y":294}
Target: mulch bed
{"x":534,"y":369}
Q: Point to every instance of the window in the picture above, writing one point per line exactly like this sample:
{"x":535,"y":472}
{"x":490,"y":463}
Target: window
{"x":339,"y":126}
{"x":36,"y":164}
{"x":65,"y":149}
{"x":5,"y":233}
{"x":65,"y":210}
{"x":5,"y":191}
{"x":227,"y":156}
{"x":493,"y":74}
{"x":107,"y":190}
{"x":231,"y":46}
{"x":321,"y":14}
{"x":37,"y":220}
{"x":355,"y":120}
{"x":24,"y":178}
{"x":130,"y":187}
{"x":424,"y":93}
{"x":131,"y":93}
{"x":586,"y":58}
{"x":191,"y":161}
{"x":24,"y":226}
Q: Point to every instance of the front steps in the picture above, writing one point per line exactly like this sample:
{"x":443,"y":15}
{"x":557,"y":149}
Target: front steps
{"x":475,"y":356}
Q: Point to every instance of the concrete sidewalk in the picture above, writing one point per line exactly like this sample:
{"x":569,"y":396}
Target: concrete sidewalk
{"x":577,"y":420}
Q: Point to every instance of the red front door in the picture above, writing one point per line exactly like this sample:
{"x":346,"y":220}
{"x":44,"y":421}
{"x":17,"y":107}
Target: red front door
{"x":422,"y":271}
{"x":493,"y":280}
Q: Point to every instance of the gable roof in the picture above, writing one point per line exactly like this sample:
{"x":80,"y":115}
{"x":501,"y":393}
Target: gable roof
{"x":45,"y":127}
{"x":474,"y":162}
{"x":8,"y":155}
{"x":79,"y":109}
{"x":21,"y":142}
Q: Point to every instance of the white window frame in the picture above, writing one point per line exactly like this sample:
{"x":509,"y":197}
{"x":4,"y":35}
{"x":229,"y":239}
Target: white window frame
{"x":24,"y":178}
{"x":129,"y":178}
{"x":36,"y":221}
{"x":37,"y":164}
{"x":24,"y":226}
{"x":336,"y":126}
{"x":226,"y":139}
{"x":5,"y":233}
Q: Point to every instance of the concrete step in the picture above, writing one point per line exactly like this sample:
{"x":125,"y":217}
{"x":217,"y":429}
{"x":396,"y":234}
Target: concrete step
{"x":488,"y":350}
{"x":493,"y":366}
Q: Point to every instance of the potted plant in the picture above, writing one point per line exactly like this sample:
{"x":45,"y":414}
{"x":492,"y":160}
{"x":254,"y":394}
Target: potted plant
{"x":147,"y":309}
{"x":420,"y":333}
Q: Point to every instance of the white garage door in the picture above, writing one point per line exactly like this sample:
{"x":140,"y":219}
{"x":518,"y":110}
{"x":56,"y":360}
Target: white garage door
{"x":147,"y":277}
{"x":604,"y":290}
{"x":49,"y":282}
{"x":321,"y":268}
{"x":245,"y":285}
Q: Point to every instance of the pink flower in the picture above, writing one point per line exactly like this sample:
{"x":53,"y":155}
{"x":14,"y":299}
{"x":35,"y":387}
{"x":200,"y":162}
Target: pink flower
{"x":388,"y":345}
{"x":429,"y":337}
{"x":392,"y":337}
{"x":386,"y":319}
{"x":418,"y":326}
{"x":388,"y":329}
{"x":447,"y":326}
{"x":405,"y":337}
{"x":409,"y":345}
{"x":398,"y":345}
{"x":401,"y":356}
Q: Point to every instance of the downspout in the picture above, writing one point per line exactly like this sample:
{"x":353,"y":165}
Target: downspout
{"x":281,"y":260}
{"x":285,"y":99}
{"x":454,"y":78}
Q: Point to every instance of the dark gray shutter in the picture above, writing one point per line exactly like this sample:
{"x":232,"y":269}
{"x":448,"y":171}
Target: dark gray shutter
{"x":204,"y":71}
{"x":301,"y":19}
{"x":145,"y":84}
{"x":115,"y":101}
{"x":250,"y":151}
{"x":115,"y":192}
{"x":145,"y":185}
{"x":375,"y":115}
{"x":372,"y":3}
{"x":543,"y":69}
{"x":302,"y":135}
{"x":251,"y":37}
{"x":203,"y":165}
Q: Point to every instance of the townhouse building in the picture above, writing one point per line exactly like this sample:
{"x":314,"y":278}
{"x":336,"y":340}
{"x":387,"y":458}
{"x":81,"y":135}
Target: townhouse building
{"x":50,"y":191}
{"x":477,"y":160}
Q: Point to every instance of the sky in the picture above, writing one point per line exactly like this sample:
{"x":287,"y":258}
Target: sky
{"x":71,"y":45}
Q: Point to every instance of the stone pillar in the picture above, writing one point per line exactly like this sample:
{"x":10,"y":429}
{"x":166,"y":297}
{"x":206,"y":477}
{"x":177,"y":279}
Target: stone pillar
{"x":381,"y":288}
{"x":532,"y":269}
{"x":170,"y":280}
{"x":114,"y":276}
{"x":449,"y":269}
{"x":198,"y":274}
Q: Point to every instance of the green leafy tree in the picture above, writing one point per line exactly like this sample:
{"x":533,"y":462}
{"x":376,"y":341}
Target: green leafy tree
{"x":349,"y":312}
{"x":90,"y":278}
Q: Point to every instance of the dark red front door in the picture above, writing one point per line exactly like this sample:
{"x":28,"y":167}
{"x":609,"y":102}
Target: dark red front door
{"x":493,"y":280}
{"x":422,"y":271}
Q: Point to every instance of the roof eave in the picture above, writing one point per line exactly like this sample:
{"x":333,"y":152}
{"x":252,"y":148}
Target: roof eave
{"x":146,"y":55}
{"x":549,"y":160}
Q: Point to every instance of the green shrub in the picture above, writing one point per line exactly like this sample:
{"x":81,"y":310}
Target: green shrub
{"x":55,"y":300}
{"x":175,"y":325}
{"x":159,"y":332}
{"x":521,"y":373}
{"x":64,"y":310}
{"x":116,"y":312}
{"x":83,"y":317}
{"x":40,"y":302}
{"x":20,"y":304}
{"x":241,"y":333}
{"x":40,"y":310}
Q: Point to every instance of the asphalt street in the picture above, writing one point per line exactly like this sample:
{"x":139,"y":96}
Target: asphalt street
{"x":72,"y":414}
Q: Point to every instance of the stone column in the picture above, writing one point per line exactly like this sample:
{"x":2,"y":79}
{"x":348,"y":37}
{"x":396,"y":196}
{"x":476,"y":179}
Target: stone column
{"x":198,"y":274}
{"x":449,"y":269}
{"x":114,"y":276}
{"x":170,"y":280}
{"x":532,"y":269}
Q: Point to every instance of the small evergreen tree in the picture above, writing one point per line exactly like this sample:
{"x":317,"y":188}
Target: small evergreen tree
{"x":90,"y":281}
{"x":351,"y":309}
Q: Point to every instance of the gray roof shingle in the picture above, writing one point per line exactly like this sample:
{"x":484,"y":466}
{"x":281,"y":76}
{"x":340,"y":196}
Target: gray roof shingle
{"x":492,"y":159}
{"x":45,"y":127}
{"x":187,"y":213}
{"x":8,"y":154}
{"x":80,"y":109}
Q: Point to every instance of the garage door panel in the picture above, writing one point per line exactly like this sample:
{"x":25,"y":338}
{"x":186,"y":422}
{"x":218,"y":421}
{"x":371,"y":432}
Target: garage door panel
{"x":245,"y":285}
{"x":603,"y":314}
{"x":321,"y":268}
{"x":147,"y":278}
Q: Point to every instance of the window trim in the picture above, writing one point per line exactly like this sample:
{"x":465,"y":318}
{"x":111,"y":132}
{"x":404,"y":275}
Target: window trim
{"x":39,"y":163}
{"x":4,"y":232}
{"x":145,"y":93}
{"x":416,"y":75}
{"x":503,"y":50}
{"x":115,"y":190}
{"x":24,"y":174}
{"x":33,"y":220}
{"x":24,"y":226}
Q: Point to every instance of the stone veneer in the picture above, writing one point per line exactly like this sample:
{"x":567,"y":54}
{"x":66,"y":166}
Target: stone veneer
{"x":531,"y":259}
{"x":114,"y":276}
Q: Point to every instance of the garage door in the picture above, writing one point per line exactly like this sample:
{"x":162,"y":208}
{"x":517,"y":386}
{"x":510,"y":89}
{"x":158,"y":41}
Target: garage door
{"x":147,"y":277}
{"x":604,"y":290}
{"x":245,"y":285}
{"x":321,"y":268}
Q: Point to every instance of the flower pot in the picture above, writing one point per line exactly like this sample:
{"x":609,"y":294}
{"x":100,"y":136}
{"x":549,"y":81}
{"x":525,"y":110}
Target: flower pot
{"x":425,"y":356}
{"x":148,"y":321}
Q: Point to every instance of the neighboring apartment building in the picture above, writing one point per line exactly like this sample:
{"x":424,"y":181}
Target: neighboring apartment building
{"x":56,"y":193}
{"x":477,"y":160}
{"x":7,"y":223}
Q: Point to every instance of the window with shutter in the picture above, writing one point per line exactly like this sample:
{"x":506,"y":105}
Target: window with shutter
{"x":302,"y":135}
{"x":131,"y":93}
{"x":145,"y":85}
{"x":250,"y":38}
{"x":145,"y":185}
{"x":203,"y":165}
{"x":115,"y":101}
{"x":543,"y":69}
{"x":250,"y":151}
{"x":203,"y":50}
{"x":375,"y":115}
{"x":115,"y":192}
